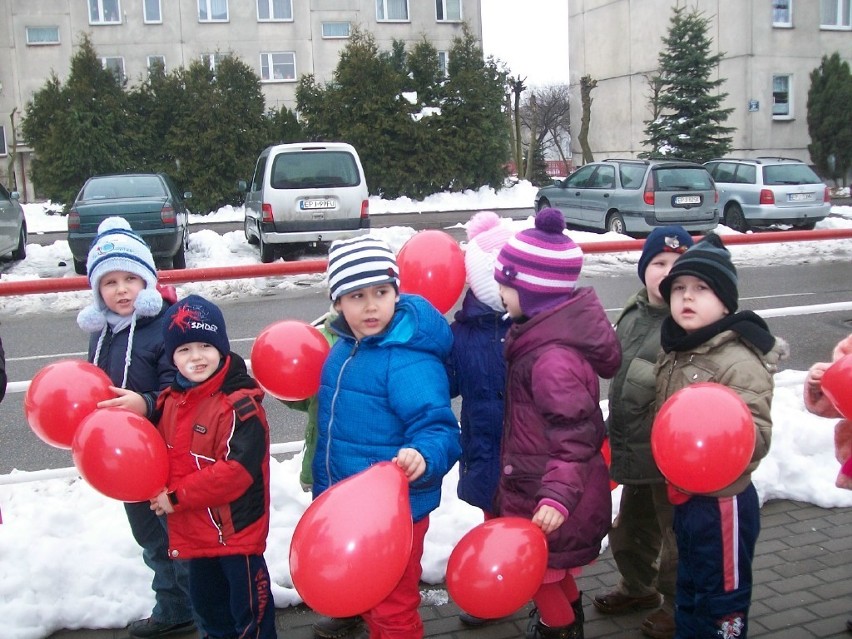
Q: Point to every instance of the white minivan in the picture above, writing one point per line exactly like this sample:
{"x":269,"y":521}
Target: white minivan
{"x":302,"y":194}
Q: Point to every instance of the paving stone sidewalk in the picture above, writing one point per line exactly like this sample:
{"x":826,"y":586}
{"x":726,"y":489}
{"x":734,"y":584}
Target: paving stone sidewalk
{"x":802,"y":575}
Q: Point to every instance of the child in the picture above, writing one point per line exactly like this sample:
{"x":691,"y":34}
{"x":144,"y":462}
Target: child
{"x":125,"y":321}
{"x":384,"y":396}
{"x":707,"y":340}
{"x":477,"y":368}
{"x":552,"y":468}
{"x":217,"y":499}
{"x":642,"y":539}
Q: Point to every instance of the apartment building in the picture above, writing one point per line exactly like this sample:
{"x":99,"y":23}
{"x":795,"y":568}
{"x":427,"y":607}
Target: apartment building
{"x":281,"y":39}
{"x":770,"y":47}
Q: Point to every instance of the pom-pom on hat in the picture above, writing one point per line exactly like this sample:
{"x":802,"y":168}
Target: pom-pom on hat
{"x":542,"y":264}
{"x":486,"y":236}
{"x":663,"y":239}
{"x":709,"y":261}
{"x":360,"y":262}
{"x":194,"y":319}
{"x":118,"y":248}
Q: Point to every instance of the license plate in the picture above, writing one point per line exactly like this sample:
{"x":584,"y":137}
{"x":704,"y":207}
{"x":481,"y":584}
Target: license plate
{"x":317,"y":203}
{"x":687,"y":199}
{"x":800,"y":197}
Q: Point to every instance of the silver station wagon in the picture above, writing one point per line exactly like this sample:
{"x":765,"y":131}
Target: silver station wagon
{"x":633,"y":197}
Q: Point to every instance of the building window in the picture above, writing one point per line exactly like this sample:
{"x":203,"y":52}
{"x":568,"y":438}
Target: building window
{"x":782,"y":102}
{"x":156,"y":61}
{"x":278,"y":67}
{"x":42,"y":35}
{"x":104,"y":12}
{"x":392,"y":10}
{"x":152,"y":12}
{"x":116,"y":65}
{"x":211,"y":60}
{"x":336,"y":29}
{"x":834,"y":14}
{"x":443,"y":59}
{"x":269,"y":10}
{"x":212,"y":10}
{"x":448,"y":10}
{"x":3,"y":150}
{"x":782,"y":13}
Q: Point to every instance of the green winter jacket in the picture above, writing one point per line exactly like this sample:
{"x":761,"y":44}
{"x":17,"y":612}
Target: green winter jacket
{"x":631,"y":392}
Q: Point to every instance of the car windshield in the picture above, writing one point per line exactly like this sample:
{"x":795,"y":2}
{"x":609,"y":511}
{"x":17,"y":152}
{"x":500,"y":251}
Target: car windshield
{"x":789,"y":174}
{"x":123,"y":186}
{"x":683,"y":178}
{"x":314,"y":169}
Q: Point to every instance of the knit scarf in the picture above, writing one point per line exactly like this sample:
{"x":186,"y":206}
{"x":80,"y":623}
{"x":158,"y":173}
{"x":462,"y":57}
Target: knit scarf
{"x":747,"y":324}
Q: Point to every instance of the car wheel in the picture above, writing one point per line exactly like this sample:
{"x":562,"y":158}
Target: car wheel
{"x":179,"y":259}
{"x":734,"y":218}
{"x":267,"y":251}
{"x":79,"y":266}
{"x":251,"y":239}
{"x":615,"y":223}
{"x":542,"y":204}
{"x":20,"y":251}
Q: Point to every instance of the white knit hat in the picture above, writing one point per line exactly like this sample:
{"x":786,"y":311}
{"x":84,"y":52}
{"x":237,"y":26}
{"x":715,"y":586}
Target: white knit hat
{"x":358,"y":263}
{"x":118,"y":248}
{"x":486,"y":236}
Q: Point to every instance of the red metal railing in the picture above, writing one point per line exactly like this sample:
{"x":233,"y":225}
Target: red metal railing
{"x":80,"y":283}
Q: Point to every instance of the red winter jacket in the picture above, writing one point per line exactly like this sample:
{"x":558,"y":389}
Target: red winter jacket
{"x":218,"y":441}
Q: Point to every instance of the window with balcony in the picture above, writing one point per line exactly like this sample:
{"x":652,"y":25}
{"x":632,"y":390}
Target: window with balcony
{"x":336,"y":29}
{"x":278,"y":67}
{"x":782,"y":13}
{"x":104,"y":12}
{"x":152,"y":12}
{"x":448,"y":10}
{"x":273,"y":10}
{"x":212,"y":10}
{"x":116,"y":65}
{"x":782,"y":98}
{"x":42,"y":35}
{"x":835,"y":14}
{"x":392,"y":10}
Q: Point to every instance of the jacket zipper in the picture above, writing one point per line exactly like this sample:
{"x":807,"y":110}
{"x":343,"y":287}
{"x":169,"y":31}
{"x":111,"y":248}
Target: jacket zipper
{"x":331,"y":418}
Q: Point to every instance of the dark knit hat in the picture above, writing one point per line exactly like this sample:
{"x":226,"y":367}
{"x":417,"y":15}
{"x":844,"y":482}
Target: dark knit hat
{"x":194,"y":319}
{"x":542,"y":264}
{"x":663,"y":239}
{"x":709,"y":261}
{"x":358,"y":263}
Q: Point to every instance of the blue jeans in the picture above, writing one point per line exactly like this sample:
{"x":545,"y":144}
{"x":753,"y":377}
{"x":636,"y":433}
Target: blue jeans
{"x":171,"y":577}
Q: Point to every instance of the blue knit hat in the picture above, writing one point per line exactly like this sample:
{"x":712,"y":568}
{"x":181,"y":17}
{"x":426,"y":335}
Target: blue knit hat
{"x":194,"y":319}
{"x":663,"y":239}
{"x":118,"y":248}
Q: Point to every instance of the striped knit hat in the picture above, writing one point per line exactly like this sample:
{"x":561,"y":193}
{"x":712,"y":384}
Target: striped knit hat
{"x":358,"y":263}
{"x":542,"y":264}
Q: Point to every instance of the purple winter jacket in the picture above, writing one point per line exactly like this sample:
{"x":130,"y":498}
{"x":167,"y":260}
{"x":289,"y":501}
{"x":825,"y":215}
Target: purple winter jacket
{"x":553,"y":427}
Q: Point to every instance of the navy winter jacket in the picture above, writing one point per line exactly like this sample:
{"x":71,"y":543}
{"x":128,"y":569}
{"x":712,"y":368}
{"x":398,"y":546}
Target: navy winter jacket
{"x":385,"y":392}
{"x":477,"y":372}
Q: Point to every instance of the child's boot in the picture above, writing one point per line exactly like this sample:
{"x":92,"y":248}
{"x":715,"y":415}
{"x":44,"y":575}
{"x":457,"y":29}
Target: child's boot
{"x":573,"y":631}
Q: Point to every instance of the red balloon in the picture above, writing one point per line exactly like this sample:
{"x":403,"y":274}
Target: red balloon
{"x":431,"y":264}
{"x":287,"y":359}
{"x":60,"y":396}
{"x":703,"y":437}
{"x":497,"y":567}
{"x":352,"y":544}
{"x":121,"y":455}
{"x":606,"y":451}
{"x":837,"y":385}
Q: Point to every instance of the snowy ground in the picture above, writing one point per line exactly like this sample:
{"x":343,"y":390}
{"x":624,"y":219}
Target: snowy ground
{"x":69,"y":560}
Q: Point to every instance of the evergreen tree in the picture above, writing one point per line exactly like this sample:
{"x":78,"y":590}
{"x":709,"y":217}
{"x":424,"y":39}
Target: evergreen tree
{"x":690,"y":124}
{"x":78,"y":129}
{"x":830,"y":117}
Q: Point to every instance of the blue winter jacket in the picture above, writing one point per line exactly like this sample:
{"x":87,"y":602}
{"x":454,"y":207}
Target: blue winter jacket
{"x":150,"y":371}
{"x":477,"y":372}
{"x":386,"y":392}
